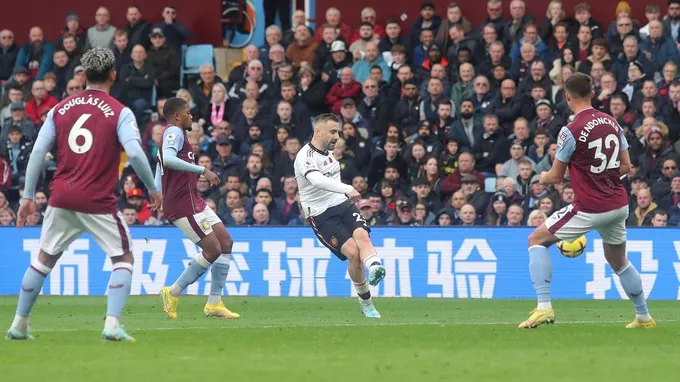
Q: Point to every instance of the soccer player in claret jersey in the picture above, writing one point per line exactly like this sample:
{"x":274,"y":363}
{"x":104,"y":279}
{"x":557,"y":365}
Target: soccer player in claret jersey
{"x":177,"y":174}
{"x":594,"y":148}
{"x":89,"y":131}
{"x":329,"y":207}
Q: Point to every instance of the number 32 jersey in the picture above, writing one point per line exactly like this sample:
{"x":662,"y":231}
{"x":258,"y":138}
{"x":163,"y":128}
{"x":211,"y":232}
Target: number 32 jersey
{"x":591,"y":145}
{"x":89,"y":130}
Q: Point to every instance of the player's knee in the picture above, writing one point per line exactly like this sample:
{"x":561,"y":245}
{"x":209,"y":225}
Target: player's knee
{"x":535,"y":238}
{"x":351,"y":251}
{"x":226,"y":244}
{"x":360,"y":234}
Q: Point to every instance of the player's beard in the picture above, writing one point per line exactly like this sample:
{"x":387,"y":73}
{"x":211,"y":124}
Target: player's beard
{"x":331,"y":145}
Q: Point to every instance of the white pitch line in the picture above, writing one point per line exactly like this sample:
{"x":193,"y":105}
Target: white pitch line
{"x":428,"y":323}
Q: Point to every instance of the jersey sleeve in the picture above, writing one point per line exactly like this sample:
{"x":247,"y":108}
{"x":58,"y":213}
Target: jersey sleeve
{"x":624,"y":142}
{"x":566,"y":144}
{"x":42,"y":146}
{"x":305,"y":164}
{"x":127,"y":127}
{"x":173,"y":138}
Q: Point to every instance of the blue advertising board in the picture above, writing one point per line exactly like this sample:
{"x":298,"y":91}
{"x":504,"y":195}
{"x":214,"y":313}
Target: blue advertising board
{"x":421,"y":262}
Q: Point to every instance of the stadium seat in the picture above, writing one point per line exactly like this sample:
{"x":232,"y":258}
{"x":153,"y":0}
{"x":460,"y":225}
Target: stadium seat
{"x":490,"y":185}
{"x":193,"y":57}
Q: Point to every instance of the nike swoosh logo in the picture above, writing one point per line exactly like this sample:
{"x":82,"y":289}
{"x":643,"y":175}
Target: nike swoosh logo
{"x":115,"y":286}
{"x":27,"y":290}
{"x":224,"y":274}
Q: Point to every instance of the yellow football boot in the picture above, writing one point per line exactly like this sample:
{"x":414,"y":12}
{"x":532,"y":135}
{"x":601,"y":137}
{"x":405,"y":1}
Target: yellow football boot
{"x":169,"y":303}
{"x":642,"y":324}
{"x":539,"y":317}
{"x":219,"y":310}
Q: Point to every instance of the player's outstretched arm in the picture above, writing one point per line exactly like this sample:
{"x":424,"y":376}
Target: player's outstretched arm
{"x":129,"y":137}
{"x":173,"y":141}
{"x":317,"y":179}
{"x":158,"y":179}
{"x":36,"y":164}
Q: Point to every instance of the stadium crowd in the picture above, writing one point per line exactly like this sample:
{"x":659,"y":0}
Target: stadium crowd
{"x":442,"y":122}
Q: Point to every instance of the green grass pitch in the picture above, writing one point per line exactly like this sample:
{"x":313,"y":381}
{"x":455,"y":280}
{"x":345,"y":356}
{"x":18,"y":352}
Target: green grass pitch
{"x":325,"y":339}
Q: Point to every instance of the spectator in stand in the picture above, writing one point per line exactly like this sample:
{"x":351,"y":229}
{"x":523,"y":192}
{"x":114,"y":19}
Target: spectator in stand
{"x":100,"y":35}
{"x":73,"y":87}
{"x":662,"y":186}
{"x":521,"y":67}
{"x":138,"y":79}
{"x":466,"y":166}
{"x":494,"y":10}
{"x":517,"y":154}
{"x":175,"y":32}
{"x":368,"y":15}
{"x":652,"y":12}
{"x":239,"y":72}
{"x":130,"y":215}
{"x":201,"y":91}
{"x":631,"y":53}
{"x":659,"y":48}
{"x":62,"y":71}
{"x":311,"y":90}
{"x":135,"y":198}
{"x":642,"y":215}
{"x":372,"y":58}
{"x":428,"y":21}
{"x":216,"y":111}
{"x":392,"y":37}
{"x":347,"y":87}
{"x":165,"y":62}
{"x":8,"y":56}
{"x":515,"y":27}
{"x":35,"y":56}
{"x":299,"y":18}
{"x":16,"y":150}
{"x":226,"y":162}
{"x":584,"y":42}
{"x":495,"y":57}
{"x":659,"y":219}
{"x":622,"y":10}
{"x":358,"y":46}
{"x":303,"y":49}
{"x":13,"y":94}
{"x":584,"y":18}
{"x":73,"y":28}
{"x":339,"y":59}
{"x":138,"y":29}
{"x":454,"y":16}
{"x":40,"y":103}
{"x":476,"y":196}
{"x":73,"y":51}
{"x":333,"y":18}
{"x":272,"y":37}
{"x":507,"y":107}
{"x":17,"y":118}
{"x":624,"y":28}
{"x":658,"y":150}
{"x":554,"y":16}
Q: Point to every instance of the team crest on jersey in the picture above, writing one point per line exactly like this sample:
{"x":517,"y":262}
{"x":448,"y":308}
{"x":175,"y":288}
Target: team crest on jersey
{"x":334,"y":241}
{"x":561,"y":139}
{"x":205,"y":225}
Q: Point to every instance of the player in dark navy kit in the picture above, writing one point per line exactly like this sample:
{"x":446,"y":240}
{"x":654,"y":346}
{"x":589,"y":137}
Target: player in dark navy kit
{"x":177,"y":174}
{"x":595,"y":150}
{"x":89,"y":131}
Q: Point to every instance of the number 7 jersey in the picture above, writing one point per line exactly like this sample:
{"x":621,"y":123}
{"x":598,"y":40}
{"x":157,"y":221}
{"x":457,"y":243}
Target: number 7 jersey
{"x":591,"y":145}
{"x":89,"y":130}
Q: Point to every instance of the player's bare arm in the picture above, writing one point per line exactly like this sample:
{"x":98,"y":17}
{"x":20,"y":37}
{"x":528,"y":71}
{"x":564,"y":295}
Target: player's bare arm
{"x":36,"y":161}
{"x":556,"y":173}
{"x":624,"y":167}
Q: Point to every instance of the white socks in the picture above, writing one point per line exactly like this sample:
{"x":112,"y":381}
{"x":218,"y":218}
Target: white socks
{"x":544,"y":305}
{"x":20,"y":323}
{"x":111,"y":322}
{"x":370,"y":260}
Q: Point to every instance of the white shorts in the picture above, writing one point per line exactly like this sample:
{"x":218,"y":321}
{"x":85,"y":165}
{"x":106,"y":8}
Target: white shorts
{"x":62,"y":227}
{"x":199,"y":225}
{"x":569,"y":225}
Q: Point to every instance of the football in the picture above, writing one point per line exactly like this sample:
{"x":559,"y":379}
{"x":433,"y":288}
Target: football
{"x":573,"y":249}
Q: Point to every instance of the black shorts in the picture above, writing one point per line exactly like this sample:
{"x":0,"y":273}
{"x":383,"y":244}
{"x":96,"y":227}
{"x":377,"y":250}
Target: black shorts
{"x":336,"y":225}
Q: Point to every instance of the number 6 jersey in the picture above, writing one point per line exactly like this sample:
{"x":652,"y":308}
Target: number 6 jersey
{"x":591,"y":145}
{"x":89,"y":130}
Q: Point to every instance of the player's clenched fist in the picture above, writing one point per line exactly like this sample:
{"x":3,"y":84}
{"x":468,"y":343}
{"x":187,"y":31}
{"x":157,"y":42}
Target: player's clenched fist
{"x":354,"y":195}
{"x":212,"y":178}
{"x":156,"y":201}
